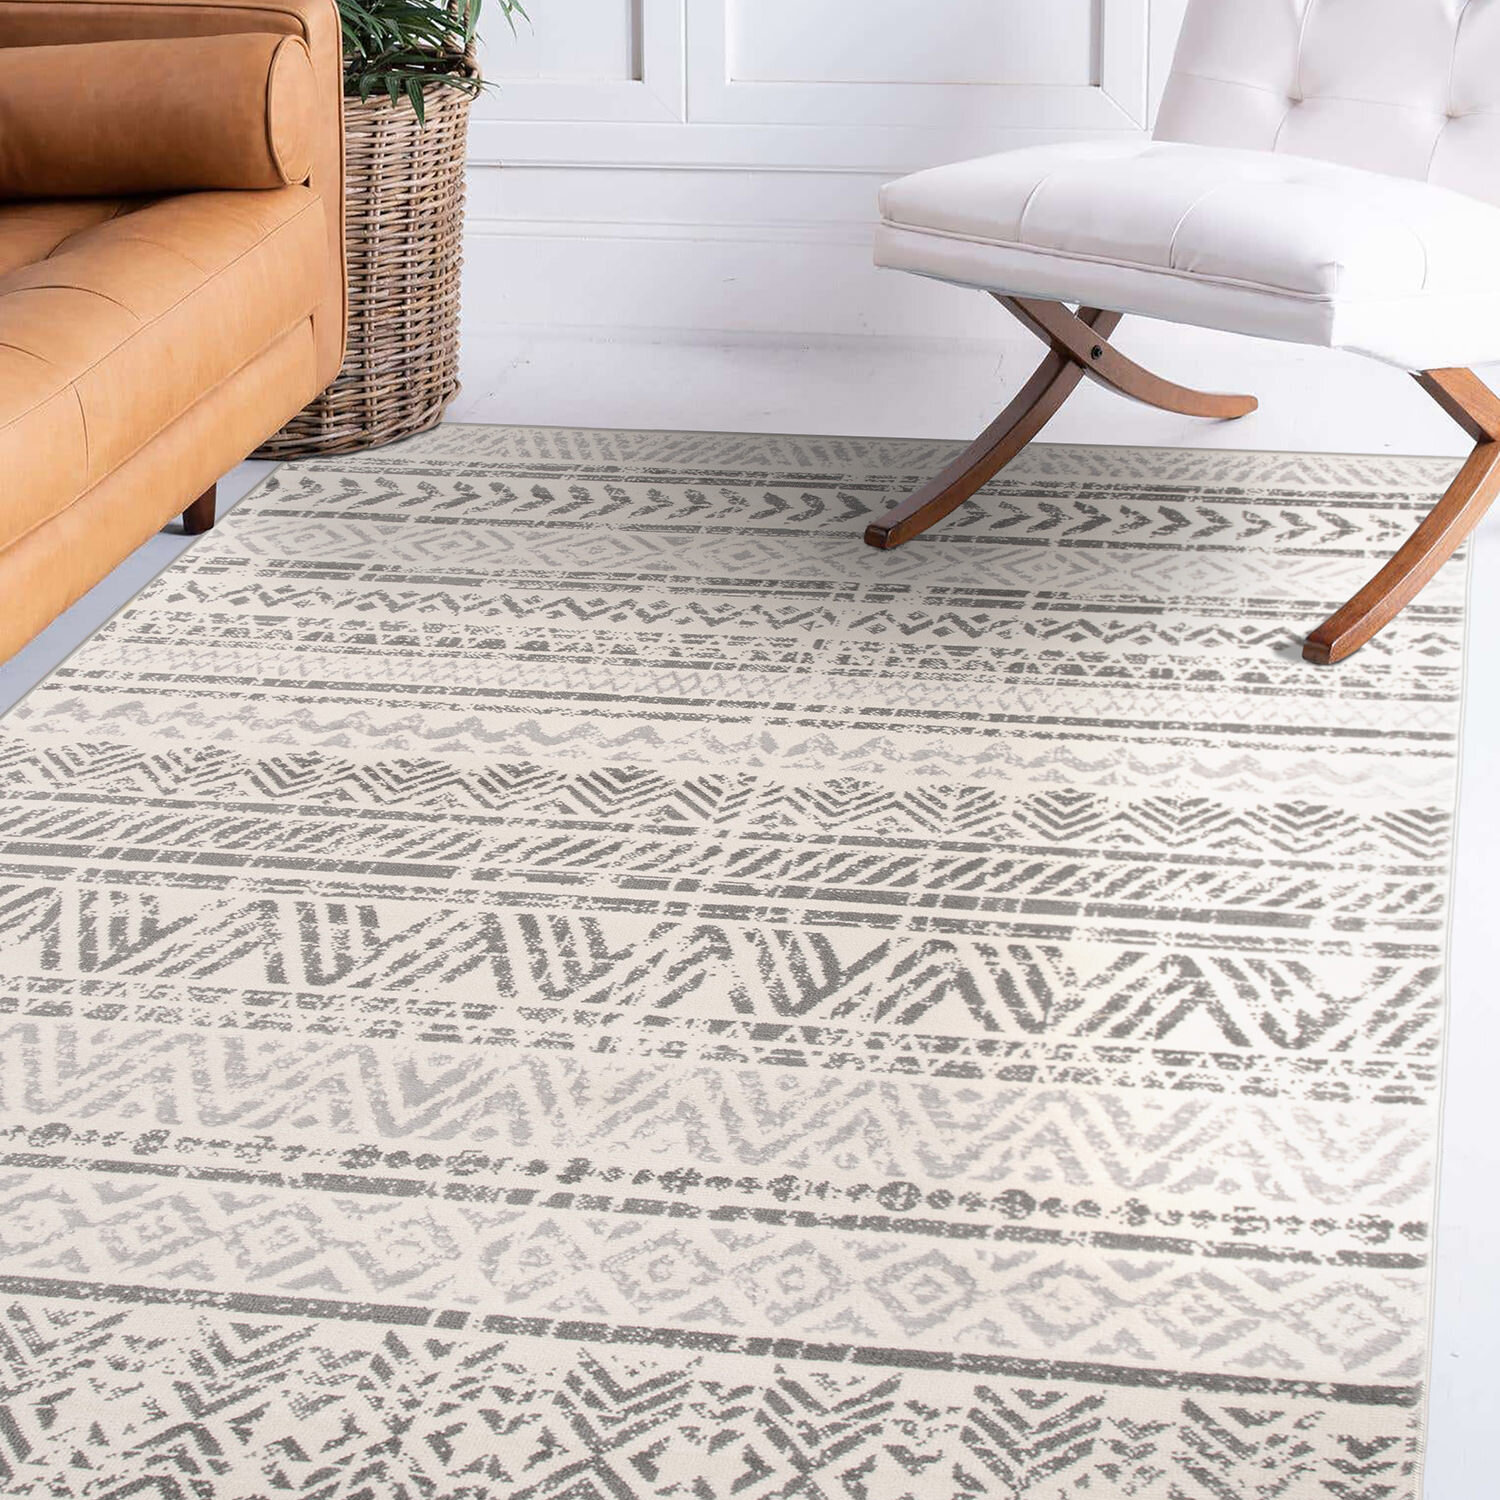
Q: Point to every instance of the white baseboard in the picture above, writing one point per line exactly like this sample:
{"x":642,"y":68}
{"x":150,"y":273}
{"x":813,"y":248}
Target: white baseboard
{"x":612,"y":376}
{"x":732,"y":321}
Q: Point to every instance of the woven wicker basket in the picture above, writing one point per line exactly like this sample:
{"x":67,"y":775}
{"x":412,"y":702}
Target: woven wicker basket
{"x":403,"y":229}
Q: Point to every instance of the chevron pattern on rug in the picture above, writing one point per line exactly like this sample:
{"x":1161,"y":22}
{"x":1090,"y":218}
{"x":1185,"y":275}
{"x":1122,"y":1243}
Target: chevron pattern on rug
{"x":535,"y":966}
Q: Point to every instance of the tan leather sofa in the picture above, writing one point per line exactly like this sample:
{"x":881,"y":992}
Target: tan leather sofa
{"x":171,"y":267}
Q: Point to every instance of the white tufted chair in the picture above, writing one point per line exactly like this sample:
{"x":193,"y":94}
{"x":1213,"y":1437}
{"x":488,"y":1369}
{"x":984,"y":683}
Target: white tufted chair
{"x":1323,"y":172}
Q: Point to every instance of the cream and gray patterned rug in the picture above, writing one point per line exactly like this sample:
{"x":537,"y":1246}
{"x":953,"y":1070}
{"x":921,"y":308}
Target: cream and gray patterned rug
{"x":534,"y":964}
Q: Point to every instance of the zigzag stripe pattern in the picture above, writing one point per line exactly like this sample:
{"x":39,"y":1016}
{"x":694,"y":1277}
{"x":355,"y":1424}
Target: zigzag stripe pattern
{"x":962,"y":985}
{"x":1404,"y":1075}
{"x":535,"y":967}
{"x":1232,"y":760}
{"x":1215,"y":857}
{"x":240,"y":1407}
{"x":410,"y":576}
{"x":1044,"y":1137}
{"x":637,"y":798}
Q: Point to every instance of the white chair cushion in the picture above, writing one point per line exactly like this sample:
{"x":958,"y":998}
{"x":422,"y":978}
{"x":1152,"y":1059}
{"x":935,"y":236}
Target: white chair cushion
{"x":1256,"y":242}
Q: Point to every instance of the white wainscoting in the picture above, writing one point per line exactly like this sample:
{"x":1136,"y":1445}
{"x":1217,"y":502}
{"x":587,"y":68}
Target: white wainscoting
{"x":674,"y":174}
{"x":703,"y":165}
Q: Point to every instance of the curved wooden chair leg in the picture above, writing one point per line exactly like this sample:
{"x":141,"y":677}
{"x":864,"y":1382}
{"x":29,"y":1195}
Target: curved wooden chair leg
{"x":1078,"y":345}
{"x":1476,"y":409}
{"x":1101,"y":361}
{"x":1051,"y":385}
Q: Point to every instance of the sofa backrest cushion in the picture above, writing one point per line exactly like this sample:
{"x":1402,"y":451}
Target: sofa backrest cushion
{"x":1407,"y":87}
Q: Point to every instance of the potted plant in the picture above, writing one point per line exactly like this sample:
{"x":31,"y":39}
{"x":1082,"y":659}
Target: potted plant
{"x":409,"y":77}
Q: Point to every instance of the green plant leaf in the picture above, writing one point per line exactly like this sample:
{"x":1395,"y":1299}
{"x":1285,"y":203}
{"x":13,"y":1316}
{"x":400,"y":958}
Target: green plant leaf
{"x":397,"y":46}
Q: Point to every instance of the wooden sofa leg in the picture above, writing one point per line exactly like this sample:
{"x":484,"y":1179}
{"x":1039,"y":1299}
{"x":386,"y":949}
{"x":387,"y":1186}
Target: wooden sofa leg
{"x":199,"y":516}
{"x":1476,"y":409}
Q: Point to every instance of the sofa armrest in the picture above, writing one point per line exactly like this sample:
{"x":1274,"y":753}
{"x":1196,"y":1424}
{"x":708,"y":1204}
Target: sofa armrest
{"x":41,"y":23}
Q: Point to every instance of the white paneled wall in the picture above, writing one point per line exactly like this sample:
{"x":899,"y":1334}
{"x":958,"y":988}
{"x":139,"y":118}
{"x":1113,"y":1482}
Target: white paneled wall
{"x":704,"y":165}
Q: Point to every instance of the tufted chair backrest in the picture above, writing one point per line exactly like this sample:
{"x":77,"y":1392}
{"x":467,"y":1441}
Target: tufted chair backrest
{"x":1409,"y":87}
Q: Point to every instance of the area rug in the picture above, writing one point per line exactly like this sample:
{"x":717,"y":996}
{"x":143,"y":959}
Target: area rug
{"x":537,"y":965}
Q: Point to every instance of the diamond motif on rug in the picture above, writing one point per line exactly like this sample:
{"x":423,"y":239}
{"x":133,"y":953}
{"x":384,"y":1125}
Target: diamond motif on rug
{"x":535,"y":966}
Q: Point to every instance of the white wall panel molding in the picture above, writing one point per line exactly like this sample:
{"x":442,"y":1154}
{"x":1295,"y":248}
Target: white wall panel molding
{"x":1098,"y":77}
{"x":671,"y":202}
{"x":732,"y":148}
{"x":713,"y":164}
{"x":810,"y":84}
{"x":763,"y":232}
{"x":560,"y":72}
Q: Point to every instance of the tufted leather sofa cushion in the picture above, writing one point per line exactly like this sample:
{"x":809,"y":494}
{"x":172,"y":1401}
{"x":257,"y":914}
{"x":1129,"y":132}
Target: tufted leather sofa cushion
{"x":1258,"y":242}
{"x":149,"y":339}
{"x":32,"y":231}
{"x":54,"y":23}
{"x":1410,"y":87}
{"x":127,"y":317}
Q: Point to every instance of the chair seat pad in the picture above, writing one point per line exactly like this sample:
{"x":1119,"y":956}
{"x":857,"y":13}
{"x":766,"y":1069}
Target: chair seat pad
{"x":1255,"y":242}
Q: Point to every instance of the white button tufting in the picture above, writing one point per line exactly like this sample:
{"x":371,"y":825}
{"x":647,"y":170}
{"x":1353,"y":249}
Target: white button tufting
{"x":1256,"y":242}
{"x":1374,"y":83}
{"x":1324,"y":171}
